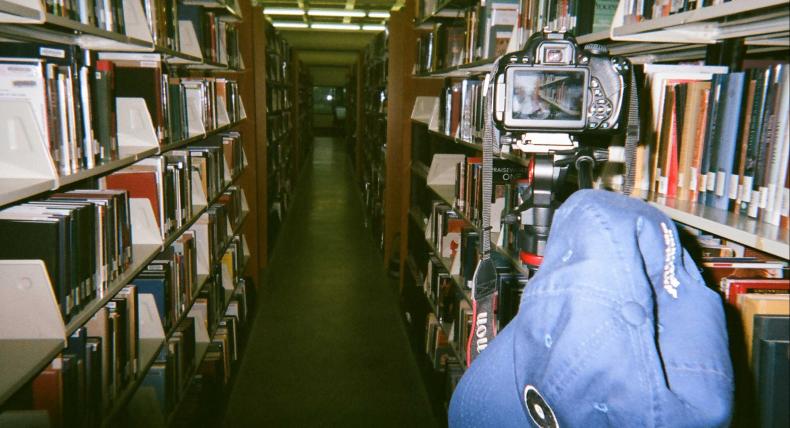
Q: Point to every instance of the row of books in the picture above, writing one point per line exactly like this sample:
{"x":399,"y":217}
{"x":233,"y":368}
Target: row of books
{"x":178,"y":182}
{"x":460,"y":112}
{"x":99,"y":361}
{"x":450,"y":325}
{"x":637,"y":11}
{"x":756,"y":291}
{"x":72,"y":95}
{"x":104,"y":14}
{"x":373,"y":123}
{"x":170,"y":377}
{"x":719,"y":138}
{"x":103,"y":357}
{"x":278,"y":98}
{"x":453,"y":239}
{"x":486,"y":29}
{"x":278,"y":68}
{"x":276,"y":45}
{"x":375,"y":100}
{"x":180,"y":107}
{"x":218,"y":38}
{"x":83,"y":237}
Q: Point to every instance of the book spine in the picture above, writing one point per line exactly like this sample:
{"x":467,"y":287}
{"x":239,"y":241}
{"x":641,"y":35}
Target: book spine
{"x":728,"y":139}
{"x":710,"y":154}
{"x":753,"y":147}
{"x":778,"y":161}
{"x":90,"y":148}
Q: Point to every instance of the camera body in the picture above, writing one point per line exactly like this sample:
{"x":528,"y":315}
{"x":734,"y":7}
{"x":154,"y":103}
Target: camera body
{"x":553,"y":86}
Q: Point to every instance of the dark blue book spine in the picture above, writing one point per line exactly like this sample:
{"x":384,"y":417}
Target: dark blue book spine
{"x":710,"y":151}
{"x":728,"y":139}
{"x":156,"y":288}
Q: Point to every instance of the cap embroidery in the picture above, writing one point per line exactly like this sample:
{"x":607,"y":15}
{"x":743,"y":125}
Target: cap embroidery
{"x":671,"y":283}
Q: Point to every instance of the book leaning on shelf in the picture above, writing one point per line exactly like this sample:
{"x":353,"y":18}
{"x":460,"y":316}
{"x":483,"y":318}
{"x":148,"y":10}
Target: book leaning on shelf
{"x":104,"y":14}
{"x":83,"y":237}
{"x":99,"y":360}
{"x":103,"y":358}
{"x":68,"y":91}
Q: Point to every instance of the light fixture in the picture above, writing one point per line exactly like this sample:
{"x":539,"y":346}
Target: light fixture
{"x":371,"y":27}
{"x":322,"y":26}
{"x":329,"y":97}
{"x":286,"y":24}
{"x":282,"y":11}
{"x":350,"y":13}
{"x":378,"y":14}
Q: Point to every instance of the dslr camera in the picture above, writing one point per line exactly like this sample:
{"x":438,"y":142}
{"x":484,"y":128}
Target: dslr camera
{"x":554,"y":86}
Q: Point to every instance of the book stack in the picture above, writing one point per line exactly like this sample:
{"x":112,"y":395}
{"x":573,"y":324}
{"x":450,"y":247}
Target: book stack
{"x":761,"y":360}
{"x":61,"y":84}
{"x":217,"y":36}
{"x":278,"y":97}
{"x":161,"y":17}
{"x":459,"y":113}
{"x":164,"y":184}
{"x":105,"y":14}
{"x":718,"y":138}
{"x":83,"y":237}
{"x":486,"y":30}
{"x":650,"y":9}
{"x":207,"y":162}
{"x":99,"y":361}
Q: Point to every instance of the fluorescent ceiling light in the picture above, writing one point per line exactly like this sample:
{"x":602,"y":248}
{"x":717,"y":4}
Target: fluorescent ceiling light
{"x":321,"y":26}
{"x":282,"y":11}
{"x":378,"y":14}
{"x":286,"y":24}
{"x":351,"y":13}
{"x":369,"y":27}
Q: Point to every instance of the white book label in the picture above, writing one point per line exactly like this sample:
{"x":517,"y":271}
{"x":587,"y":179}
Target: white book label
{"x":734,"y":186}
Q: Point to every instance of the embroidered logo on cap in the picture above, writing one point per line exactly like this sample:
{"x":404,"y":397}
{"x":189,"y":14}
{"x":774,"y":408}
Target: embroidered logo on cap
{"x":671,"y":283}
{"x":538,"y":409}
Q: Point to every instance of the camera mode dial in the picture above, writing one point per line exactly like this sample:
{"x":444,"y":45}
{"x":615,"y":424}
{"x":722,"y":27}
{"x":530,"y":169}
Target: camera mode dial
{"x":596,"y":49}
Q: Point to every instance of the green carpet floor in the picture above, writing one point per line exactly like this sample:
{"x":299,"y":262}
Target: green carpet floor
{"x":328,"y":347}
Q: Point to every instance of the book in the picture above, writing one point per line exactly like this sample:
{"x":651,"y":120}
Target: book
{"x":733,"y":287}
{"x":751,"y":305}
{"x":773,"y":383}
{"x":727,"y":138}
{"x":767,"y":327}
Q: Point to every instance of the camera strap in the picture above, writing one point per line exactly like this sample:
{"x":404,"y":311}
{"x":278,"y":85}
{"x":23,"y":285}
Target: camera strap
{"x":632,"y":135}
{"x":484,"y":280}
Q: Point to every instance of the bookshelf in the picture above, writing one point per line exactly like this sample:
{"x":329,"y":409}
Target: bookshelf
{"x":303,"y":112}
{"x":761,"y":26}
{"x":224,"y":264}
{"x":282,"y":136}
{"x":374,"y":98}
{"x":353,"y":113}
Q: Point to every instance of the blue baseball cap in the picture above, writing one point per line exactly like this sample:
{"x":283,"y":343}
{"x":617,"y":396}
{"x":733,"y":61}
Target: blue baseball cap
{"x":617,"y":328}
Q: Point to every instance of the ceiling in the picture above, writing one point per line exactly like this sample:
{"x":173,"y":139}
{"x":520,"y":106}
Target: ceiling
{"x":329,"y":54}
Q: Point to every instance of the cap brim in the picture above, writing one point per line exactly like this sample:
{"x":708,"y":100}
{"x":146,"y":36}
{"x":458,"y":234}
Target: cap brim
{"x":487,"y":395}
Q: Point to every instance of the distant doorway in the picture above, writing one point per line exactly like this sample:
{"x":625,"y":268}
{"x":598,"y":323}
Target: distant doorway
{"x":329,"y":110}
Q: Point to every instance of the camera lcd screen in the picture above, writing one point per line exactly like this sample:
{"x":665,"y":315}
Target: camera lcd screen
{"x":539,"y":98}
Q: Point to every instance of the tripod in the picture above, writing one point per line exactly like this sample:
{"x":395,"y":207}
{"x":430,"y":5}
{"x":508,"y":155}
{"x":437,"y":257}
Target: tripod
{"x":548,"y":171}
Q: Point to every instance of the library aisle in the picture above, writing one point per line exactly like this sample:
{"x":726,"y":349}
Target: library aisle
{"x":328,"y":347}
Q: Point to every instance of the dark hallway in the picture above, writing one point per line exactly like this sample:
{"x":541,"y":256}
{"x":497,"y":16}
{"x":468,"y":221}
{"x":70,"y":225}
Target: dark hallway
{"x":328,"y":347}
